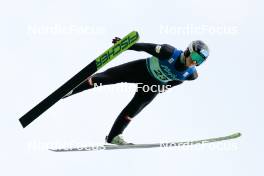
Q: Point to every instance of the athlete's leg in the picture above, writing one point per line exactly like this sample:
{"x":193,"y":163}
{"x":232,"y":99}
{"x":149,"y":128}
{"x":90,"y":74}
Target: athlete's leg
{"x":131,"y":72}
{"x":140,"y":100}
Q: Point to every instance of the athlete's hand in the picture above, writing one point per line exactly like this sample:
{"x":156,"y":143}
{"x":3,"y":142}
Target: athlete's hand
{"x":116,"y":39}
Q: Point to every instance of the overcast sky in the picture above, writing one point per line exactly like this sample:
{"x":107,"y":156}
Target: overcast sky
{"x":44,"y":43}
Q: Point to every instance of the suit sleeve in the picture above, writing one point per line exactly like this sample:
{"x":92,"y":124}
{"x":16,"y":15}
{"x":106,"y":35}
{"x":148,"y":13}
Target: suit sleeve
{"x":193,"y":76}
{"x":163,"y":51}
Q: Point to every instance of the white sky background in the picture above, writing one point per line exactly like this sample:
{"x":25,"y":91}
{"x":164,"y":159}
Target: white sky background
{"x":226,"y":98}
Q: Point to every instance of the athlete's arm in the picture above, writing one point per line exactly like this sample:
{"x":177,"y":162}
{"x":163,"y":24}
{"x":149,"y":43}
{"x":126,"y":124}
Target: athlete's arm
{"x":164,"y":51}
{"x":177,"y":82}
{"x":193,"y":76}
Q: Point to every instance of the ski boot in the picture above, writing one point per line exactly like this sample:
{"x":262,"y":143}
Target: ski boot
{"x":118,"y":140}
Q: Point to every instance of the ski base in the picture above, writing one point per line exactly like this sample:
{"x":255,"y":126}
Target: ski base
{"x":152,"y":145}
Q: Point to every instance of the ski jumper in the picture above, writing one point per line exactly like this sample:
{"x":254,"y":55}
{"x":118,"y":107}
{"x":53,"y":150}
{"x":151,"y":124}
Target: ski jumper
{"x":163,"y":68}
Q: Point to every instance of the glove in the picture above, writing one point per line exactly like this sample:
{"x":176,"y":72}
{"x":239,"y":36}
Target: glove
{"x":115,"y":40}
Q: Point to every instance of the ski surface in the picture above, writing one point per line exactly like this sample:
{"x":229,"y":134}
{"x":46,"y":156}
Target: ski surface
{"x":76,"y":80}
{"x":152,"y":145}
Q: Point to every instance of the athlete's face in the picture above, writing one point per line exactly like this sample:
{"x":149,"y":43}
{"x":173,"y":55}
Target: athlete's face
{"x":189,"y":62}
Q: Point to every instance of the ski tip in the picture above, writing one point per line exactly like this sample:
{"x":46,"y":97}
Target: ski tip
{"x":236,"y":135}
{"x":135,"y":33}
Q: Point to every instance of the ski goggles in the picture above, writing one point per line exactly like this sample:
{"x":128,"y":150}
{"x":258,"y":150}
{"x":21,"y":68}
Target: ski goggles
{"x":197,"y":58}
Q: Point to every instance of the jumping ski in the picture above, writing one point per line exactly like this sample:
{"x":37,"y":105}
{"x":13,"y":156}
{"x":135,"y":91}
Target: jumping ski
{"x":151,"y":145}
{"x":76,"y":80}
